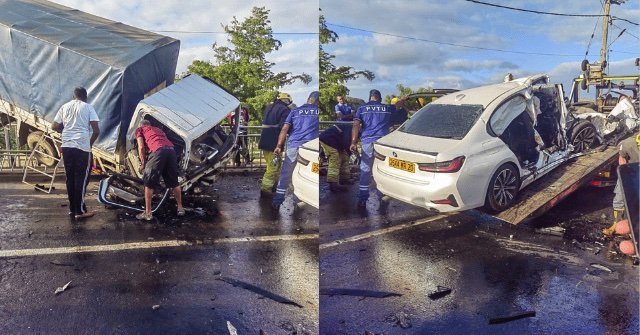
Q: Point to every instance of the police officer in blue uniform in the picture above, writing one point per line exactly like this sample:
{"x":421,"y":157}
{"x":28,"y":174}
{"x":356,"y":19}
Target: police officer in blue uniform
{"x":343,"y":110}
{"x":302,"y":126}
{"x":374,"y":119}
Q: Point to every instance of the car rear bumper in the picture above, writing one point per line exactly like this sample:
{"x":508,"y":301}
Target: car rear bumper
{"x":305,"y":187}
{"x":421,"y":194}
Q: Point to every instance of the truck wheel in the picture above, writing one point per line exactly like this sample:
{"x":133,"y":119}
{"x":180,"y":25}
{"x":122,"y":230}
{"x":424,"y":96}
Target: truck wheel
{"x":45,"y":146}
{"x":503,"y":188}
{"x":584,"y":65}
{"x":583,"y":136}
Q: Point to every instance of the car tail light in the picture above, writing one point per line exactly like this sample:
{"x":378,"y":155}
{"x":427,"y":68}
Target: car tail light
{"x":453,"y":165}
{"x":379,"y":155}
{"x":302,"y":161}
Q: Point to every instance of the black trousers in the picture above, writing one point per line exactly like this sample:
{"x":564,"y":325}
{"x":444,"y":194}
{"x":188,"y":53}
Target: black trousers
{"x":77,"y":166}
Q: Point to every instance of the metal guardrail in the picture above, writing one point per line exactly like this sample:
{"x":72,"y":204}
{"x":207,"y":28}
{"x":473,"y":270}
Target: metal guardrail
{"x":17,"y":159}
{"x":13,"y":160}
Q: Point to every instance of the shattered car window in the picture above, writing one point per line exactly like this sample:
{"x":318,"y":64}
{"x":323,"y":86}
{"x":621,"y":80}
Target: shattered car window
{"x":506,"y":113}
{"x":443,"y":121}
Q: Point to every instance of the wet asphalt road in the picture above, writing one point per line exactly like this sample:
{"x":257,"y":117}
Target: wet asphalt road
{"x":112,"y":292}
{"x":494,"y":270}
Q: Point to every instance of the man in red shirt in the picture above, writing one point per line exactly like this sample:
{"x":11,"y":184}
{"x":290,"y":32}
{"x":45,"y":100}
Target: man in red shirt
{"x":162,"y":162}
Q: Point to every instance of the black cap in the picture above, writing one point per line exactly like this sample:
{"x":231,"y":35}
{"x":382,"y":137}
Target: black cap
{"x":375,"y":93}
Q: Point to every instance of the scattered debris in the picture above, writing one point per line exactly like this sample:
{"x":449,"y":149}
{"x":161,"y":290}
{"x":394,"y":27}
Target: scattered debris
{"x":286,"y":326}
{"x":367,"y":332}
{"x":527,"y":314}
{"x":596,"y":250}
{"x":62,"y":289}
{"x":61,"y":263}
{"x":441,"y":292}
{"x":601,"y":267}
{"x":259,"y":291}
{"x":155,"y":307}
{"x":232,"y":329}
{"x":357,"y":293}
{"x":262,"y":332}
{"x":401,"y":319}
{"x":30,"y":233}
{"x":577,"y":244}
{"x":555,"y":231}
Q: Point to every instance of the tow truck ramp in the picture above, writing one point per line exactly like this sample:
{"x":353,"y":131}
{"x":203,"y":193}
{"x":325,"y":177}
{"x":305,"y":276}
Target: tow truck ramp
{"x":537,"y":198}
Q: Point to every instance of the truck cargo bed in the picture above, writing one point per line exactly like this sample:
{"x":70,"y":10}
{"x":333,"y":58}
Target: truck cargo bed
{"x":542,"y":195}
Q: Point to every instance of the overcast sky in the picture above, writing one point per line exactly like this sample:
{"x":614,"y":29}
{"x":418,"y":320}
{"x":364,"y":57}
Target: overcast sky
{"x":299,"y":53}
{"x":422,"y":64}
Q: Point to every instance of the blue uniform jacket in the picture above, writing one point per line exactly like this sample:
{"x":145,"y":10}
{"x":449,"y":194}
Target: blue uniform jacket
{"x":376,"y":119}
{"x":304,"y":124}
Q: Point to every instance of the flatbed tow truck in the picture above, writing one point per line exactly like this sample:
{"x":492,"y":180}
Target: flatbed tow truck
{"x":545,"y":193}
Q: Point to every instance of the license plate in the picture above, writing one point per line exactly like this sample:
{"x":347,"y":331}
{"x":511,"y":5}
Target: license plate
{"x":402,"y":165}
{"x":315,"y":168}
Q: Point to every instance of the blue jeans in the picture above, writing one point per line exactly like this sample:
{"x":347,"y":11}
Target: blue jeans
{"x":366,"y":163}
{"x":285,"y":175}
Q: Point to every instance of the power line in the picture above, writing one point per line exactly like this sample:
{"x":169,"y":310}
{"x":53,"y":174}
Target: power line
{"x":224,"y":32}
{"x":454,"y":44}
{"x":546,"y":13}
{"x":626,"y":31}
{"x":624,"y":52}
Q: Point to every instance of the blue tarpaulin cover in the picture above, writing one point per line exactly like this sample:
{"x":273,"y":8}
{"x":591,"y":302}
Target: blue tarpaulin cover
{"x":46,"y":50}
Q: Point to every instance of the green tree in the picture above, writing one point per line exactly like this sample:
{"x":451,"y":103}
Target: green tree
{"x":333,"y":78}
{"x":242,"y":68}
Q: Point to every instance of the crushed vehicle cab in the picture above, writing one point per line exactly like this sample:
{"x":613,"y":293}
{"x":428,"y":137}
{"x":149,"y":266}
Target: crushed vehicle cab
{"x":480,"y":147}
{"x":191,"y":113}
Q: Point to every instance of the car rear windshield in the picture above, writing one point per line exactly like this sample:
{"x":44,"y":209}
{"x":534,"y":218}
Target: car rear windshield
{"x":443,"y":121}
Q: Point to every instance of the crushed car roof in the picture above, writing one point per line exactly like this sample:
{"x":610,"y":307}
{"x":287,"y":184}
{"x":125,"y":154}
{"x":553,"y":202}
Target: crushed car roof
{"x":484,"y":95}
{"x":193,"y":105}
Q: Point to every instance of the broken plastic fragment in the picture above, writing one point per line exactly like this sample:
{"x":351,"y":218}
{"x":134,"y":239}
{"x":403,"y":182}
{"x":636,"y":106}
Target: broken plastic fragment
{"x":601,"y":267}
{"x":556,"y":231}
{"x":232,"y":329}
{"x":357,"y":293}
{"x":62,"y":289}
{"x":155,"y":307}
{"x":510,"y":318}
{"x":441,"y":292}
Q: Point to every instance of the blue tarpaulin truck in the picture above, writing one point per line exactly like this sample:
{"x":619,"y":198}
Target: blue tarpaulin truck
{"x":49,"y":49}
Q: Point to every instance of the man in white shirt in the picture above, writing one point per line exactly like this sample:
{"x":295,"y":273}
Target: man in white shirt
{"x":78,"y":122}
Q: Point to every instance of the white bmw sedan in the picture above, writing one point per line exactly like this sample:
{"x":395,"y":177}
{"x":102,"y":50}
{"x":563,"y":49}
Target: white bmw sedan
{"x":306,"y":174}
{"x":479,"y":147}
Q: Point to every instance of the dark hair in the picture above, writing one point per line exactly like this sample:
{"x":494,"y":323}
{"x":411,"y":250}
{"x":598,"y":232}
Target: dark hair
{"x":80,"y":93}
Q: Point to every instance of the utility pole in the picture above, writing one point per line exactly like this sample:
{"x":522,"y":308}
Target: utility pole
{"x":605,"y":31}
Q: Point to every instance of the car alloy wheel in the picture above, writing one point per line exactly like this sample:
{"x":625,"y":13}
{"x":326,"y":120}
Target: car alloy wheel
{"x":583,"y":136}
{"x":503,"y":188}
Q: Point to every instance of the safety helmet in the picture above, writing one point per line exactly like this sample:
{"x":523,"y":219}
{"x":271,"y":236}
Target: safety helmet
{"x":422,"y":101}
{"x":284,"y":96}
{"x":394,"y":100}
